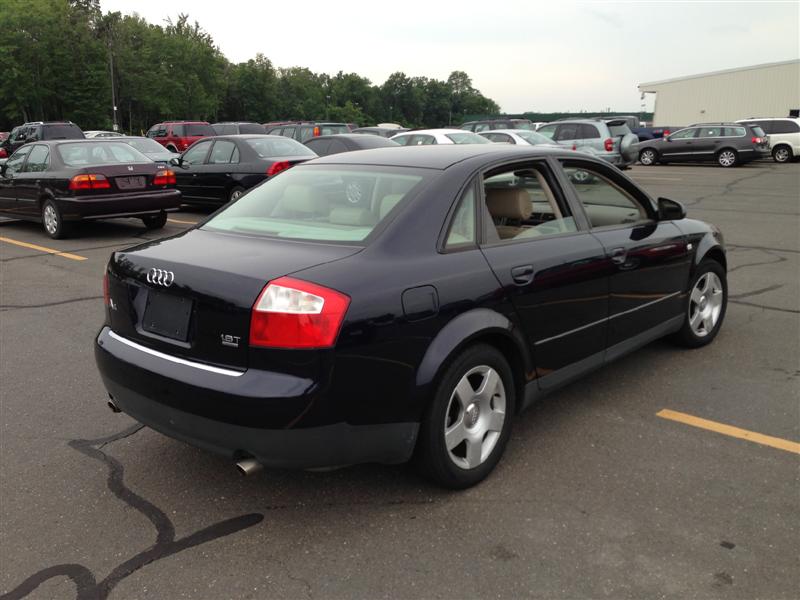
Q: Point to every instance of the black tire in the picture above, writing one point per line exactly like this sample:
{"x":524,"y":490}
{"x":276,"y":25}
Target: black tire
{"x":782,"y":154}
{"x":53,"y":221}
{"x":727,"y":158}
{"x":687,"y":336}
{"x":235,"y":193}
{"x":155,"y":221}
{"x":432,"y":456}
{"x":648,"y":157}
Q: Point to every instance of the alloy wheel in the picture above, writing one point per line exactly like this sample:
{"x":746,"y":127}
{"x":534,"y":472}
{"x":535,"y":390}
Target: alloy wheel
{"x":475,"y":417}
{"x":50,"y":219}
{"x":647,"y":158}
{"x":727,"y":158}
{"x":236,"y":194}
{"x":781,"y":155}
{"x":705,"y":304}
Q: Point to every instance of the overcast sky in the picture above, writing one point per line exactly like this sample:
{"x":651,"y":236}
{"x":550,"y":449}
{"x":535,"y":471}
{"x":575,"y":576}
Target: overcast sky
{"x":526,"y":55}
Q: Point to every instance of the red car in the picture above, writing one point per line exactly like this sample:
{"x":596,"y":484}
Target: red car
{"x":177,"y":136}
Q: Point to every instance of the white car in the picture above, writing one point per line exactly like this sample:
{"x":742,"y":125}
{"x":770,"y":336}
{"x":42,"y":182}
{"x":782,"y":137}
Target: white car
{"x":426,"y":137}
{"x":784,"y":135}
{"x":518,"y":136}
{"x":101,"y":134}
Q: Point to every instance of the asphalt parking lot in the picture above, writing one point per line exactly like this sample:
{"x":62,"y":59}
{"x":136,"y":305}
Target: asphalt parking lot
{"x":610,"y":488}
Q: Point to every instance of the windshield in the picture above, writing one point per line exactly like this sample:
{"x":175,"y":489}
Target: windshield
{"x":532,"y":137}
{"x":147,"y":146}
{"x":99,"y":153}
{"x":278,"y":146}
{"x":340,"y":203}
{"x":62,"y":132}
{"x":198,"y":129}
{"x":467,"y":138}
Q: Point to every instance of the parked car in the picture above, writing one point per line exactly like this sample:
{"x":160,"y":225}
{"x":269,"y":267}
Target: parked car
{"x":652,"y":133}
{"x":177,"y":136}
{"x":295,"y":328}
{"x":101,"y":134}
{"x":306,"y":130}
{"x":347,"y":142}
{"x":57,"y":183}
{"x":609,"y":139}
{"x":426,"y":137}
{"x":234,"y":128}
{"x":150,"y":148}
{"x":489,"y":124}
{"x":219,"y":170}
{"x":386,"y":132}
{"x":729,"y":144}
{"x":40,"y":131}
{"x":784,"y":135}
{"x":517,"y":136}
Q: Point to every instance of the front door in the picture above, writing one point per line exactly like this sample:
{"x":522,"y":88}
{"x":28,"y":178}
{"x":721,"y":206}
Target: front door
{"x":8,"y":192}
{"x":28,"y":181}
{"x":553,"y":269}
{"x":187,"y":174}
{"x":680,"y":146}
{"x":650,"y":260}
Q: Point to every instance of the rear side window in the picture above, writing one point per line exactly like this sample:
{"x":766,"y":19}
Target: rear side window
{"x":224,"y":129}
{"x":38,"y":160}
{"x":222,"y":153}
{"x":588,"y":132}
{"x":709,"y":132}
{"x":333,"y":129}
{"x":568,"y":131}
{"x":482,"y":127}
{"x":102,"y":153}
{"x":462,"y":227}
{"x":732,"y":131}
{"x":178,"y":130}
{"x":251,"y":128}
{"x":62,"y":132}
{"x":288,"y":132}
{"x":198,"y":129}
{"x":785,"y":126}
{"x":342,"y":204}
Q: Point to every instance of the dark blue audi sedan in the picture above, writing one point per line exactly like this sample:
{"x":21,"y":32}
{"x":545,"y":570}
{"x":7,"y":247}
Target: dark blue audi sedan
{"x":400,"y":303}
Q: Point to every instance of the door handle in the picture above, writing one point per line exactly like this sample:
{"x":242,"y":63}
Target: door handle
{"x":522,"y":275}
{"x":619,"y":256}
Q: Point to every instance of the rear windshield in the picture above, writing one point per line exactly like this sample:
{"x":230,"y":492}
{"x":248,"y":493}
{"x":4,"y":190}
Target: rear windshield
{"x":99,"y":153}
{"x":251,"y":128}
{"x":533,"y":138}
{"x":62,"y":132}
{"x":621,"y":129}
{"x":197,"y":129}
{"x":522,"y":125}
{"x":147,"y":146}
{"x":270,"y":147}
{"x":467,"y":138}
{"x":328,"y":204}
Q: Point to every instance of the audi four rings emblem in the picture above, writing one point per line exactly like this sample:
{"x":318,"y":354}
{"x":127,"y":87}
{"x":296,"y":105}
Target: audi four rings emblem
{"x":160,"y":277}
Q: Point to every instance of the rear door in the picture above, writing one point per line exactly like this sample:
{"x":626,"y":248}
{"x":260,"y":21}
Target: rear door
{"x":649,"y":259}
{"x":707,"y":142}
{"x":190,"y":169}
{"x":567,"y":135}
{"x":553,"y":269}
{"x":589,"y":138}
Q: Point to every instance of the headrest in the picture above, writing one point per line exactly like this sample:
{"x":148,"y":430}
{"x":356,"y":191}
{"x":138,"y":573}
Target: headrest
{"x":351,"y":215}
{"x":509,"y":203}
{"x":389,"y":202}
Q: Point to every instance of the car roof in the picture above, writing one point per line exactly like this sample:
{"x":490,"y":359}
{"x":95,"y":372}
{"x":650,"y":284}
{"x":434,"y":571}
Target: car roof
{"x":432,"y":131}
{"x":250,"y":136}
{"x":769,"y":119}
{"x":437,"y":156}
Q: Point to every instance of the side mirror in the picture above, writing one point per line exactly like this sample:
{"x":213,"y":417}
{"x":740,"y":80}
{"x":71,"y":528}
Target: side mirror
{"x":667,"y":138}
{"x":670,"y":210}
{"x":176,"y":161}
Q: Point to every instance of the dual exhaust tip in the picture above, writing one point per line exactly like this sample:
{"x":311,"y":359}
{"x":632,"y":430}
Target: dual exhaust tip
{"x":246,"y":466}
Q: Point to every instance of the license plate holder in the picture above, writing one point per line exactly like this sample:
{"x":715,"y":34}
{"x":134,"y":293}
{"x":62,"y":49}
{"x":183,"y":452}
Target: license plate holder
{"x":131,"y":183}
{"x":167,"y":315}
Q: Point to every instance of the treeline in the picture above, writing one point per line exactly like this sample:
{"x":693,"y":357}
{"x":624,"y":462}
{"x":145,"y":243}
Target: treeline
{"x":57,"y":59}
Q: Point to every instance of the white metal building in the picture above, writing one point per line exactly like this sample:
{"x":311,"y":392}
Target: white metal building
{"x":768,"y":90}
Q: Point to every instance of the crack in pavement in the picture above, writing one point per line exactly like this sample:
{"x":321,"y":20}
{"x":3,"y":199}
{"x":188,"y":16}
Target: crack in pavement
{"x":8,"y":307}
{"x":727,"y":188}
{"x":87,"y":586}
{"x":737,"y":246}
{"x":763,"y":262}
{"x":769,"y":288}
{"x":764,"y":306}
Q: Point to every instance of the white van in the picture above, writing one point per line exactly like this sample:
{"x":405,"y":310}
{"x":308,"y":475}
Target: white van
{"x":784,"y":135}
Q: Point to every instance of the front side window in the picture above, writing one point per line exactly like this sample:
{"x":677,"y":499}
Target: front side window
{"x":197,"y":153}
{"x":588,"y":132}
{"x":99,"y":153}
{"x":38,"y":160}
{"x":14,"y":164}
{"x":683,"y":134}
{"x":523,"y":203}
{"x":332,"y":204}
{"x":605,"y":202}
{"x":222,"y":152}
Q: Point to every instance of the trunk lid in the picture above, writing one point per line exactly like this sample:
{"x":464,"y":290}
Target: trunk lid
{"x":191,"y":295}
{"x":134,"y":177}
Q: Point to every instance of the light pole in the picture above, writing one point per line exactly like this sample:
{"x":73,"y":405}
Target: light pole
{"x":327,"y":108}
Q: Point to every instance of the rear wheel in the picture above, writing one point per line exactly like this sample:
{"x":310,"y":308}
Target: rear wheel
{"x":727,"y":158}
{"x":53,"y":221}
{"x":235,"y":193}
{"x":648,"y":157}
{"x":468,"y":423}
{"x":705,"y":305}
{"x":782,"y":154}
{"x":155,"y":221}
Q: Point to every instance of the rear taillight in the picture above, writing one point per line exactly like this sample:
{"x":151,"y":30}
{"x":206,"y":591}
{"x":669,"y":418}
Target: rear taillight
{"x":608,"y":144}
{"x":106,"y":293}
{"x":89,"y":182}
{"x":277,"y":167}
{"x":666,"y":132}
{"x":164,"y":177}
{"x":3,"y":153}
{"x":756,"y":140}
{"x":291,"y":313}
{"x":316,"y":131}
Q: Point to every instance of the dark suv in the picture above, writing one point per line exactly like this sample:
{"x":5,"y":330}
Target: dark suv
{"x":490,"y":124}
{"x":237,"y":127}
{"x":40,"y":131}
{"x":308,"y":129}
{"x":729,"y":144}
{"x":177,"y":136}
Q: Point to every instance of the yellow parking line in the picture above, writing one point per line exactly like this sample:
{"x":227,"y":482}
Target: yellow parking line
{"x":183,"y":222}
{"x":42,"y":249}
{"x":744,"y":434}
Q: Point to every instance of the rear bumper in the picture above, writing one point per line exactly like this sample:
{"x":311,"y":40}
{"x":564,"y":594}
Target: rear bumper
{"x":616,"y":159}
{"x":120,"y":205}
{"x":237,"y":414}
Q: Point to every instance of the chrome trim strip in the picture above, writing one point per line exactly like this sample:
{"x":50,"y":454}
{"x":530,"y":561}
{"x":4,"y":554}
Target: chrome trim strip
{"x":592,"y":324}
{"x":175,"y":359}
